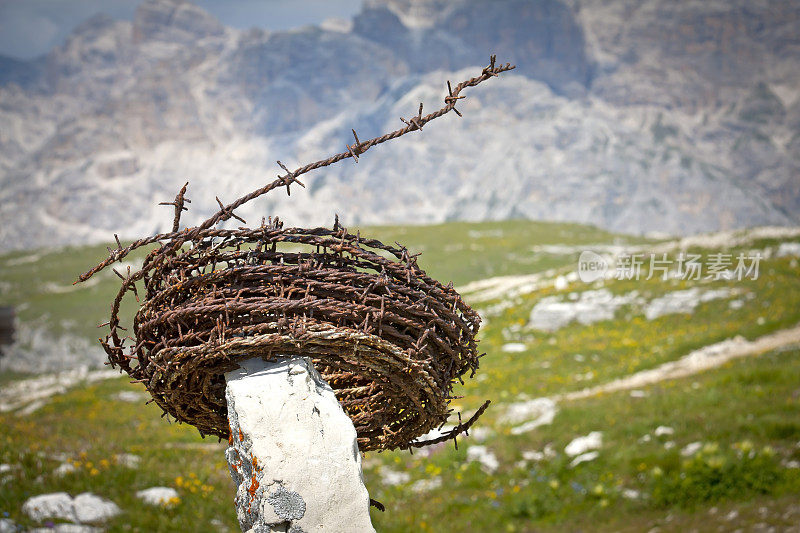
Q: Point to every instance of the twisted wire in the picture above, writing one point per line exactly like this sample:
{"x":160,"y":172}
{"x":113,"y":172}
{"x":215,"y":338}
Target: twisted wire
{"x":390,"y":340}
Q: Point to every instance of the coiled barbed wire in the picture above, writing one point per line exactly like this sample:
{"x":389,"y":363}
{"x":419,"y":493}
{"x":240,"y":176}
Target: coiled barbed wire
{"x":389,"y":340}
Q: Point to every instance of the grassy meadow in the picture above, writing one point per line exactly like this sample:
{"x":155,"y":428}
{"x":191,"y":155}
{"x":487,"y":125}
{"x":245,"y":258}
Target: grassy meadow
{"x":719,"y":449}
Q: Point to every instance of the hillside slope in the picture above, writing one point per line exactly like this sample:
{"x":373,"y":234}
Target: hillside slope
{"x":617,"y":405}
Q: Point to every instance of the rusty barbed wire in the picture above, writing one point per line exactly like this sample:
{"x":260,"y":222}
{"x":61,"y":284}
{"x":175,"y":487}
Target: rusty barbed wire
{"x":390,"y":340}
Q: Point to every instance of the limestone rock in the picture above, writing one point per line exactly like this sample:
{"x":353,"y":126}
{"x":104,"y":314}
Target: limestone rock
{"x":551,"y":313}
{"x":174,"y":21}
{"x":128,"y":460}
{"x":788,"y":249}
{"x":158,"y":495}
{"x":45,"y":506}
{"x":293,"y":452}
{"x":426,"y":484}
{"x":64,"y":469}
{"x":85,"y":508}
{"x":684,"y":301}
{"x":486,"y":458}
{"x":584,"y":458}
{"x":664,"y":430}
{"x":591,"y":131}
{"x":89,"y":508}
{"x":691,"y":449}
{"x":581,"y":445}
{"x":392,"y":478}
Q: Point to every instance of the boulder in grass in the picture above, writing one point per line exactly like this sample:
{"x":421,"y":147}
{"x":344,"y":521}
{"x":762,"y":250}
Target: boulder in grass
{"x":64,"y":469}
{"x":48,"y":506}
{"x":664,"y":430}
{"x":128,"y":460}
{"x":163,"y":496}
{"x":789,"y":249}
{"x":584,"y":458}
{"x":84,"y":508}
{"x":486,"y":458}
{"x":92,"y":509}
{"x":581,"y":445}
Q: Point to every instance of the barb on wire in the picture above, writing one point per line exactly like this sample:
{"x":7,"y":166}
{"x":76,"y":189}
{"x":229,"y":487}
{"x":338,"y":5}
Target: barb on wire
{"x":455,"y":432}
{"x":228,"y":212}
{"x":179,"y":202}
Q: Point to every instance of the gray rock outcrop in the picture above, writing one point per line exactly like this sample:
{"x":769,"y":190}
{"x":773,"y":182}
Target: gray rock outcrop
{"x":654,"y":116}
{"x":293,"y":452}
{"x":85,"y":508}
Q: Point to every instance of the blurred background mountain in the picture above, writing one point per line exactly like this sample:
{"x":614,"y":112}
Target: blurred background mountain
{"x":639,"y":117}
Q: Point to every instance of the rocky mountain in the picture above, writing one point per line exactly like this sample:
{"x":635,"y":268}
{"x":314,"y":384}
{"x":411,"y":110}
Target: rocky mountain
{"x":652,"y":116}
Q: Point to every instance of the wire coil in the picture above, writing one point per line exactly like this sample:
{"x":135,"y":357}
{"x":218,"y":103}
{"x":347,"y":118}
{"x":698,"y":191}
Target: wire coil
{"x":389,"y":340}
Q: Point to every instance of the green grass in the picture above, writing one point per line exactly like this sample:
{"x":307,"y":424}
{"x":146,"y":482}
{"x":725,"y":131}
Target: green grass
{"x":630,"y":342}
{"x":746,"y":413}
{"x":748,"y":405}
{"x":90,"y":427}
{"x":466,"y":251}
{"x":39,"y":284}
{"x":751,"y":404}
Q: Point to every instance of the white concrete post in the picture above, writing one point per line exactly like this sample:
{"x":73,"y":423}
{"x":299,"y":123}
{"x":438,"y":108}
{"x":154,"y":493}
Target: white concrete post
{"x":293,"y":453}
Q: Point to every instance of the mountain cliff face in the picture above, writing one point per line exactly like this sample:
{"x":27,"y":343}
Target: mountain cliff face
{"x":636,"y":116}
